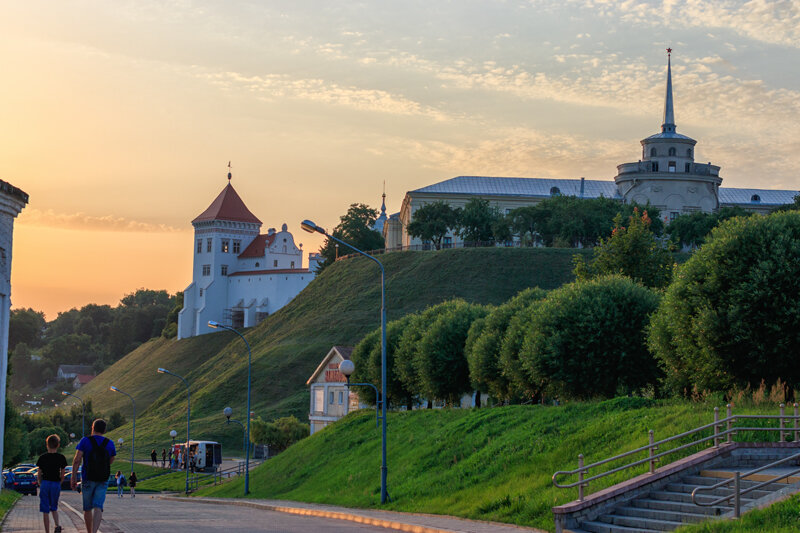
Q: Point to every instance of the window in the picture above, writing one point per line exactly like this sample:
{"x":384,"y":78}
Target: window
{"x":223,"y":270}
{"x":672,"y":152}
{"x":654,"y":165}
{"x":292,"y":265}
{"x":225,"y":246}
{"x":208,"y":245}
{"x":237,"y":247}
{"x":688,"y":167}
{"x":447,"y":242}
{"x":755,"y":198}
{"x":275,"y":263}
{"x":206,"y":270}
{"x":341,"y":397}
{"x":319,"y":399}
{"x":201,"y":293}
{"x":653,"y":152}
{"x":330,"y":398}
{"x":555,"y":191}
{"x":672,"y":166}
{"x":673,"y":215}
{"x":284,"y":248}
{"x":199,"y":245}
{"x":258,"y":264}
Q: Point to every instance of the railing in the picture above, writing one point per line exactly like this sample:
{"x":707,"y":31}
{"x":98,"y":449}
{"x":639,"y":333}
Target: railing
{"x":446,"y":246}
{"x":737,"y":485}
{"x":652,"y":447}
{"x":217,"y":476}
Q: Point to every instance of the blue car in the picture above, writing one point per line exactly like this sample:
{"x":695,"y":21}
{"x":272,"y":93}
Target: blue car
{"x":24,"y":483}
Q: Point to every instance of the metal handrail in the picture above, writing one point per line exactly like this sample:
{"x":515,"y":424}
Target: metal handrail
{"x":737,"y":492}
{"x":653,"y":446}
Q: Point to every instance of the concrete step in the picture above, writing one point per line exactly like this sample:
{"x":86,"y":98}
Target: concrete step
{"x":719,"y":491}
{"x":671,"y":516}
{"x":698,"y":481}
{"x":640,"y":523}
{"x":684,"y":497}
{"x":678,"y":507}
{"x":766,"y":475}
{"x":602,"y":527}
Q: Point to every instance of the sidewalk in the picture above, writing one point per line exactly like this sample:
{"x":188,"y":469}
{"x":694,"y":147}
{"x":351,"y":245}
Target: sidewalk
{"x":413,"y":522}
{"x":25,"y":517}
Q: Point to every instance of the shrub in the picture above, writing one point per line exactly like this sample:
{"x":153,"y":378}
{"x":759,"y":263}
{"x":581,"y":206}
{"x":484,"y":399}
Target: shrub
{"x":587,"y":339}
{"x":731,"y":318}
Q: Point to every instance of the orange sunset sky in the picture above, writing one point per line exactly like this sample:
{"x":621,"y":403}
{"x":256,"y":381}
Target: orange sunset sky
{"x":119,"y":118}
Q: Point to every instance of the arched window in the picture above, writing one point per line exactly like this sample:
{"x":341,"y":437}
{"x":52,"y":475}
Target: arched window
{"x":653,"y":152}
{"x":672,"y":151}
{"x":755,"y":198}
{"x":555,"y":191}
{"x":689,"y":152}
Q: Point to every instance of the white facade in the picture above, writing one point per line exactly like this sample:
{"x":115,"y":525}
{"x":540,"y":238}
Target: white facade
{"x":12,"y":201}
{"x":239,"y":276}
{"x":330,"y":397}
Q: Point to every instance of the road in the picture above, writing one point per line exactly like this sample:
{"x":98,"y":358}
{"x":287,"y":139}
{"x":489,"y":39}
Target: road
{"x":145,"y":514}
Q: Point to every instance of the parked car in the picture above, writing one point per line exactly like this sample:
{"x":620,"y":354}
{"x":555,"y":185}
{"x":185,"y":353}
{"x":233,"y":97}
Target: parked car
{"x":65,"y":485}
{"x":25,"y":483}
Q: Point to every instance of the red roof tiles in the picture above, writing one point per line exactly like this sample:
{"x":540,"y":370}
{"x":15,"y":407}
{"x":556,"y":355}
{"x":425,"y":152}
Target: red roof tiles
{"x":257,"y":247}
{"x":227,"y":206}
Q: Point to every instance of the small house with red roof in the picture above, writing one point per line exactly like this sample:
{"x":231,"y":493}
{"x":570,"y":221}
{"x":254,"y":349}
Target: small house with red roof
{"x":330,"y":397}
{"x":81,"y":380}
{"x":239,"y":275}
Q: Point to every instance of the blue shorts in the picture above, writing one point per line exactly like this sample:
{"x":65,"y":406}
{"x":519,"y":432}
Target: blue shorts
{"x":48,"y":496}
{"x":94,"y":494}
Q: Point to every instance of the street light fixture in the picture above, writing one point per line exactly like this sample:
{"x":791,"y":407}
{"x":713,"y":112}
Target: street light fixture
{"x":188,"y":419}
{"x":311,"y":227}
{"x":83,"y":412}
{"x":213,"y":324}
{"x":228,"y":412}
{"x":347,"y":367}
{"x":133,"y":440}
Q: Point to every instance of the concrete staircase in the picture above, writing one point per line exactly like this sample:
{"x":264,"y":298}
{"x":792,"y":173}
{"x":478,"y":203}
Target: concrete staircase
{"x":670,"y":506}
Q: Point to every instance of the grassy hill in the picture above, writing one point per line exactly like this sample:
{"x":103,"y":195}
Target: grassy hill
{"x":486,"y":464}
{"x":338,"y":307}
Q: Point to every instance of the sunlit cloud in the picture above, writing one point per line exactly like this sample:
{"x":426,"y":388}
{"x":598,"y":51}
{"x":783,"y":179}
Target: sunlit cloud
{"x":82,"y":221}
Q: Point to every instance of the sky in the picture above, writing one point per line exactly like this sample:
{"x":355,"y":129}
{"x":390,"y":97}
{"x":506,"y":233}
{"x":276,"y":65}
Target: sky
{"x":119,"y":118}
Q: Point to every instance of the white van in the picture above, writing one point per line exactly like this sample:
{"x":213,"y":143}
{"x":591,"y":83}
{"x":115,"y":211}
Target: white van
{"x":207,"y":454}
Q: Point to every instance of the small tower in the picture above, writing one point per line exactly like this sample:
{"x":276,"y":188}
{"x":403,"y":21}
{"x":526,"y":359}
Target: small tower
{"x":381,"y":220}
{"x":666,"y":176}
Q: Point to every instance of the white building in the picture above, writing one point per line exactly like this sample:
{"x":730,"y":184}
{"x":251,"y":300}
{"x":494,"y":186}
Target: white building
{"x":12,"y":201}
{"x":666,"y":176}
{"x":330,"y":398}
{"x":239,"y":275}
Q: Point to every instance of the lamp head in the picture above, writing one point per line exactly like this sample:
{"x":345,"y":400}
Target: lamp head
{"x":72,"y":435}
{"x":161,"y":371}
{"x":227,"y":412}
{"x":120,"y":440}
{"x":347,"y":367}
{"x":173,"y":433}
{"x":310,"y":227}
{"x":64,"y":393}
{"x":213,"y":324}
{"x":112,"y":387}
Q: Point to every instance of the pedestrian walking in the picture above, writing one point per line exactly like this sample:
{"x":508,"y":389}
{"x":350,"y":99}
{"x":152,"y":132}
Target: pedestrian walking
{"x":154,"y":457}
{"x":163,"y":457}
{"x":120,"y":483}
{"x":133,"y":480}
{"x":52,"y":466}
{"x":94,"y":454}
{"x":192,"y":462}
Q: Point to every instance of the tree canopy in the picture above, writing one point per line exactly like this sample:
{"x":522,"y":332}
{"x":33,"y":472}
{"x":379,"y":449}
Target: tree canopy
{"x":432,"y":222}
{"x":355,"y":227}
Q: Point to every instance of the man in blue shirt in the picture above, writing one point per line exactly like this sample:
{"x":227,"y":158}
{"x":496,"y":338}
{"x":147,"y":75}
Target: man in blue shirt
{"x":95,"y":453}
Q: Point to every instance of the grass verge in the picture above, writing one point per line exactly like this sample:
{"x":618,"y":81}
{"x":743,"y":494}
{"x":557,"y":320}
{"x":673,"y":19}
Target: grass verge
{"x":7,"y":500}
{"x":782,"y":517}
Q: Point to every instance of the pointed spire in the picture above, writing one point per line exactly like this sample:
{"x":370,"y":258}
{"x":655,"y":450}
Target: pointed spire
{"x":669,"y":114}
{"x":383,"y":197}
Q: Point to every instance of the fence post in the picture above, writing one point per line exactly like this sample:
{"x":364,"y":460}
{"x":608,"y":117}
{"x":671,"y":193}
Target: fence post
{"x":580,"y":477}
{"x":783,"y":413}
{"x":716,"y":427}
{"x":737,"y":501}
{"x":730,"y":422}
{"x":796,"y":426}
{"x":651,"y":450}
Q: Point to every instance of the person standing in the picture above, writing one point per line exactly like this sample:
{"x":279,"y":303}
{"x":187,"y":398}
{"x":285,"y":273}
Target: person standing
{"x":163,"y":457}
{"x":52,"y":466}
{"x":154,"y":457}
{"x":120,"y":479}
{"x":132,"y":481}
{"x":95,"y":454}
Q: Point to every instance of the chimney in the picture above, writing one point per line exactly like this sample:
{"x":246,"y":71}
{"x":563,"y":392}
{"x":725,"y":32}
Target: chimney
{"x":583,"y":180}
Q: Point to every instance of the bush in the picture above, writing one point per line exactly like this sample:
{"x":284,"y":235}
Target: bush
{"x":732,"y":315}
{"x":587,"y":339}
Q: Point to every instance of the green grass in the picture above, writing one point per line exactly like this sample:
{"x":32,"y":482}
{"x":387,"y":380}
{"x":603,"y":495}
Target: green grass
{"x":782,"y":517}
{"x":338,"y":307}
{"x":7,"y":500}
{"x":486,"y":464}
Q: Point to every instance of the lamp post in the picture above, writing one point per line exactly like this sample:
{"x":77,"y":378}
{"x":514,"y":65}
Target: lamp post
{"x":228,"y":412}
{"x":310,"y":227}
{"x":215,"y":325}
{"x":83,"y":412}
{"x":347,"y":367}
{"x":133,"y":439}
{"x":188,"y":419}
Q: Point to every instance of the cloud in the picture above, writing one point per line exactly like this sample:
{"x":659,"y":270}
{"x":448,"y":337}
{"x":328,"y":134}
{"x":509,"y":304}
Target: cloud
{"x":82,"y":221}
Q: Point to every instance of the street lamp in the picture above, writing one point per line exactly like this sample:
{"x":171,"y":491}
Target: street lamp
{"x":83,"y":411}
{"x":188,"y":419}
{"x":347,"y":367}
{"x":228,"y":412}
{"x":133,"y":440}
{"x":215,"y":325}
{"x":310,"y":227}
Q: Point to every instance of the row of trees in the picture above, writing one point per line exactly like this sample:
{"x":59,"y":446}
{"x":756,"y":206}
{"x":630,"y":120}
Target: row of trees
{"x":729,"y":318}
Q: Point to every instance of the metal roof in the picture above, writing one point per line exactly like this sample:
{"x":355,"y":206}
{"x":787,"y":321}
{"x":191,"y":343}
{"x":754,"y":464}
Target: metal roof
{"x":525,"y":187}
{"x":766,"y":196}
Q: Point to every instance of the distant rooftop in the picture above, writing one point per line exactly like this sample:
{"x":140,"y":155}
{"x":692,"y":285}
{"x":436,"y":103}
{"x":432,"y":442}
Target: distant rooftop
{"x":228,"y":205}
{"x":13,"y":191}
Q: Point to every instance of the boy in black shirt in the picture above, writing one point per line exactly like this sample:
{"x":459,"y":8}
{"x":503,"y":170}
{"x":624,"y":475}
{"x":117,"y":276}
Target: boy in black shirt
{"x":51,"y":474}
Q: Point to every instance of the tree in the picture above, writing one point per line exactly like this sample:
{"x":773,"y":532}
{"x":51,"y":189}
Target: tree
{"x":731,"y":317}
{"x":355,"y":227}
{"x":691,"y":230}
{"x":278,"y":434}
{"x":485,"y":341}
{"x":478,"y":221}
{"x":440,"y":362}
{"x":632,"y":251}
{"x":39,"y":435}
{"x":25,"y":325}
{"x":432,"y":222}
{"x":587,"y":339}
{"x":15,"y":437}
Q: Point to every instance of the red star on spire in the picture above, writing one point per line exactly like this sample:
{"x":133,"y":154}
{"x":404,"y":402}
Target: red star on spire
{"x":669,"y":50}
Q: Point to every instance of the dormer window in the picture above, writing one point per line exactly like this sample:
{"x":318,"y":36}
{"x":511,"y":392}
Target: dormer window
{"x":672,"y":152}
{"x":555,"y":191}
{"x":755,"y":198}
{"x":653,"y":152}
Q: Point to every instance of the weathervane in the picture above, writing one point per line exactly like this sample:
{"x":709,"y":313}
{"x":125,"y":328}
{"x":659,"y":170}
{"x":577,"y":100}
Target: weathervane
{"x":229,"y":172}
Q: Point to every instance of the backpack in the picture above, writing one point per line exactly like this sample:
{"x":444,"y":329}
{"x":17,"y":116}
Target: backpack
{"x":98,"y":467}
{"x":123,"y":481}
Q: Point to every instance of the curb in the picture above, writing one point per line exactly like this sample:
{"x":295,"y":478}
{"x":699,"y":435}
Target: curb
{"x":335,"y":515}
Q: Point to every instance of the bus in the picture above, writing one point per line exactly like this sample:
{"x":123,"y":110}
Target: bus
{"x":207,"y":454}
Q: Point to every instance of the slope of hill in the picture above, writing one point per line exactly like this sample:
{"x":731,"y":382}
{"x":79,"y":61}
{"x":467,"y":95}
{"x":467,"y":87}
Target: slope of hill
{"x":339,"y":307}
